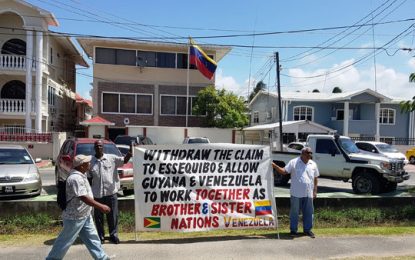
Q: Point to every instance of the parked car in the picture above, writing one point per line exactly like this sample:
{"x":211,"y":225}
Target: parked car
{"x":295,"y":147}
{"x":382,"y":149}
{"x":138,"y":140}
{"x":196,"y":140}
{"x":410,"y":155}
{"x":19,"y":175}
{"x":73,"y":147}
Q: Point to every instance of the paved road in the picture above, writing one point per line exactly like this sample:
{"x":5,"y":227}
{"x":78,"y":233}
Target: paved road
{"x":236,"y":248}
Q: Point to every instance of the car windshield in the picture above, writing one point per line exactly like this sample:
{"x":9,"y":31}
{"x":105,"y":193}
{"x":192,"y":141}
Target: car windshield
{"x":14,"y":156}
{"x":198,"y":141}
{"x":88,"y":149}
{"x":348,"y":145}
{"x":386,"y":148}
{"x":124,"y":150}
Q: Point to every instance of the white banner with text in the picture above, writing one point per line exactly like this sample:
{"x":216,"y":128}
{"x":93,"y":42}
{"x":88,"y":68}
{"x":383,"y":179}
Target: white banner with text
{"x":200,"y":187}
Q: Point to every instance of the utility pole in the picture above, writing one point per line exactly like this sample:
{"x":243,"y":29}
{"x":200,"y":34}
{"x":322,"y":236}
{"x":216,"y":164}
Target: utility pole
{"x":277,"y":60}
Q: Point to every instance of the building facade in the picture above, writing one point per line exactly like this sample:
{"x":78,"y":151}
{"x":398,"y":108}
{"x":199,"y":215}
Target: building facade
{"x":360,"y":114}
{"x":37,"y":71}
{"x":145,"y":83}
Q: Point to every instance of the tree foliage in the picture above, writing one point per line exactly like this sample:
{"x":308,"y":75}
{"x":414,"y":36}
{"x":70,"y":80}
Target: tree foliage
{"x":221,"y":108}
{"x":409,"y":106}
{"x":337,"y":90}
{"x":259,"y":86}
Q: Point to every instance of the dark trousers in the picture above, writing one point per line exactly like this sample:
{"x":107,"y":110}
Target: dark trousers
{"x":112,"y":217}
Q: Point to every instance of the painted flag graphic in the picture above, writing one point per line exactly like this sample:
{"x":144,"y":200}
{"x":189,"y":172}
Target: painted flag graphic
{"x":152,"y":222}
{"x":262,"y":208}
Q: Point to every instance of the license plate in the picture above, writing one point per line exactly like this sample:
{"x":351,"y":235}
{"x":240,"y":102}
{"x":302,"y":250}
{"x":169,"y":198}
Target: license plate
{"x":8,"y":189}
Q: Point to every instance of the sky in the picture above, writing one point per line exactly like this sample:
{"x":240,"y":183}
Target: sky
{"x":322,"y":44}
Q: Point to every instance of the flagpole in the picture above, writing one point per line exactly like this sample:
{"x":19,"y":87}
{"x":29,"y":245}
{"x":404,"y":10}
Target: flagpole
{"x":187,"y":84}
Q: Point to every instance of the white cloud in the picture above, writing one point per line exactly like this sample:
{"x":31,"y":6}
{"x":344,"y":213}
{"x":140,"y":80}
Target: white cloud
{"x":227,"y":82}
{"x":411,"y":63}
{"x":389,"y":82}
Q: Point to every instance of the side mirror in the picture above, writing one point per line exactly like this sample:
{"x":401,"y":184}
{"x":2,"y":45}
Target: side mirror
{"x":333,"y":152}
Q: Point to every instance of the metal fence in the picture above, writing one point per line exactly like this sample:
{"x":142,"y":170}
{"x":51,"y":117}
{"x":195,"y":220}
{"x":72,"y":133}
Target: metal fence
{"x":18,"y":134}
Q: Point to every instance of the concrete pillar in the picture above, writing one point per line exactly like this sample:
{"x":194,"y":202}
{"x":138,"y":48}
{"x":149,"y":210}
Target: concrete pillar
{"x":377,"y":115}
{"x":38,"y":84}
{"x":28,"y":98}
{"x":346,"y":119}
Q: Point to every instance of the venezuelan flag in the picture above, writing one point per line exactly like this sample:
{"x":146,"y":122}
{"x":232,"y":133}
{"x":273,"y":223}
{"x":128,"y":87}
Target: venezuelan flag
{"x":152,"y":222}
{"x":203,"y":63}
{"x":263,"y":207}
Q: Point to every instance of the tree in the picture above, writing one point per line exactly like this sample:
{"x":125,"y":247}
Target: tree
{"x":316,"y":91}
{"x":409,"y":106}
{"x":221,"y":108}
{"x":259,"y":86}
{"x":337,"y":90}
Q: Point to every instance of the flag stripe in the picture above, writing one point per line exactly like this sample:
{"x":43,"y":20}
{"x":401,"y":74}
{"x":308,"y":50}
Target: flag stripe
{"x":262,"y":203}
{"x":203,"y":63}
{"x":263,"y":212}
{"x":263,"y":208}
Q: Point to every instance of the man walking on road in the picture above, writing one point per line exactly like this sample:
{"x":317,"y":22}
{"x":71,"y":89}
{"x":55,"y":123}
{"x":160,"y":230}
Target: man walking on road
{"x":77,"y":218}
{"x":105,"y":185}
{"x":304,"y":173}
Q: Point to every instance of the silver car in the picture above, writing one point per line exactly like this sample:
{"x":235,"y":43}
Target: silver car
{"x":19,"y":175}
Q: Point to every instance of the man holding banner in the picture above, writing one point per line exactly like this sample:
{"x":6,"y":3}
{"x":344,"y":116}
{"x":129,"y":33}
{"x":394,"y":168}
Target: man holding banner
{"x":304,"y":173}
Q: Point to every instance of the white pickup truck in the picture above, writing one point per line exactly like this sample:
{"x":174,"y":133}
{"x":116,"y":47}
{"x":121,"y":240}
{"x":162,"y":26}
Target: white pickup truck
{"x":338,"y":158}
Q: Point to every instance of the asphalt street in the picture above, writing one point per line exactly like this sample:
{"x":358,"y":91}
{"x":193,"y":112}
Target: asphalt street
{"x":360,"y":247}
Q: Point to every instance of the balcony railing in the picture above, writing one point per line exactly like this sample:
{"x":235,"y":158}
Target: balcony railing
{"x":13,"y":62}
{"x":13,"y":106}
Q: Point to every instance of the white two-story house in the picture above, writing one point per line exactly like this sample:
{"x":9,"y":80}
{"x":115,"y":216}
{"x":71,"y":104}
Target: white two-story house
{"x":37,"y":71}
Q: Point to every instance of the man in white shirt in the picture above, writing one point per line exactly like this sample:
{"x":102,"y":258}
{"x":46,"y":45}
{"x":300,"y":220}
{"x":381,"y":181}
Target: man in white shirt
{"x":304,"y":179}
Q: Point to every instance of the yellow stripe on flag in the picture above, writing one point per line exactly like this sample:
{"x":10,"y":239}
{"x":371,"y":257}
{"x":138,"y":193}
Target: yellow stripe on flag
{"x":262,"y":203}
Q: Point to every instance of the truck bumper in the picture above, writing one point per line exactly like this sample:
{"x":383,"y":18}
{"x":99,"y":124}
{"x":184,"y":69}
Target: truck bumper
{"x":397,"y":177}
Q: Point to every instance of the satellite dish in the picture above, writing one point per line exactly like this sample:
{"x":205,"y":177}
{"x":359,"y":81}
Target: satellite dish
{"x":126,"y":121}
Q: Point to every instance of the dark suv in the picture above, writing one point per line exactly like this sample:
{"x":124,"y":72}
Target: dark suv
{"x":138,"y":140}
{"x":73,"y":147}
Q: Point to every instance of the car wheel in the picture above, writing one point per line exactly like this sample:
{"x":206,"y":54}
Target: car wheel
{"x":412,"y":160}
{"x":366,"y":182}
{"x":127,"y":192}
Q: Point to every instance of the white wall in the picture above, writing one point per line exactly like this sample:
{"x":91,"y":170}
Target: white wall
{"x":96,"y":130}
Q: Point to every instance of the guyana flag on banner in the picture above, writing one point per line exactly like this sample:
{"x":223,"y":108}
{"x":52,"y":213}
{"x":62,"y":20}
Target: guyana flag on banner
{"x":152,"y":222}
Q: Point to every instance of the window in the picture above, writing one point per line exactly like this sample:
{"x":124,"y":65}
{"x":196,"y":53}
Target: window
{"x":326,"y":146}
{"x":109,"y":102}
{"x":181,"y":61}
{"x":166,"y":60}
{"x":14,"y":89}
{"x":175,"y":105}
{"x":256,"y":117}
{"x":14,"y":46}
{"x":51,"y":56}
{"x":387,"y":116}
{"x":115,"y":56}
{"x":303,"y":113}
{"x":127,"y":103}
{"x":146,"y":59}
{"x":51,"y":96}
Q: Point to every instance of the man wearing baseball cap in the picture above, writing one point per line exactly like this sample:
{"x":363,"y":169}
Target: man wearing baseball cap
{"x":77,"y":218}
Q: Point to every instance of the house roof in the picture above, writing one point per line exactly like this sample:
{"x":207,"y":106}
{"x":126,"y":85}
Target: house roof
{"x":293,"y":126}
{"x":96,"y":120}
{"x":48,"y":16}
{"x":322,"y":97}
{"x":69,"y":45}
{"x":80,"y":99}
{"x":88,"y":43}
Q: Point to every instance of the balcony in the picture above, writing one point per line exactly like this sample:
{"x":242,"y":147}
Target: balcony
{"x":13,"y":62}
{"x":13,"y":106}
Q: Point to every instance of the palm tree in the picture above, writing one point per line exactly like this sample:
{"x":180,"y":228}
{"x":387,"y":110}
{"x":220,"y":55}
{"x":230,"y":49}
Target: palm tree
{"x":337,"y":90}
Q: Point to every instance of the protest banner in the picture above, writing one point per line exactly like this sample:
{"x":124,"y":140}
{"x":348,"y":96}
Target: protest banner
{"x":203,"y":187}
